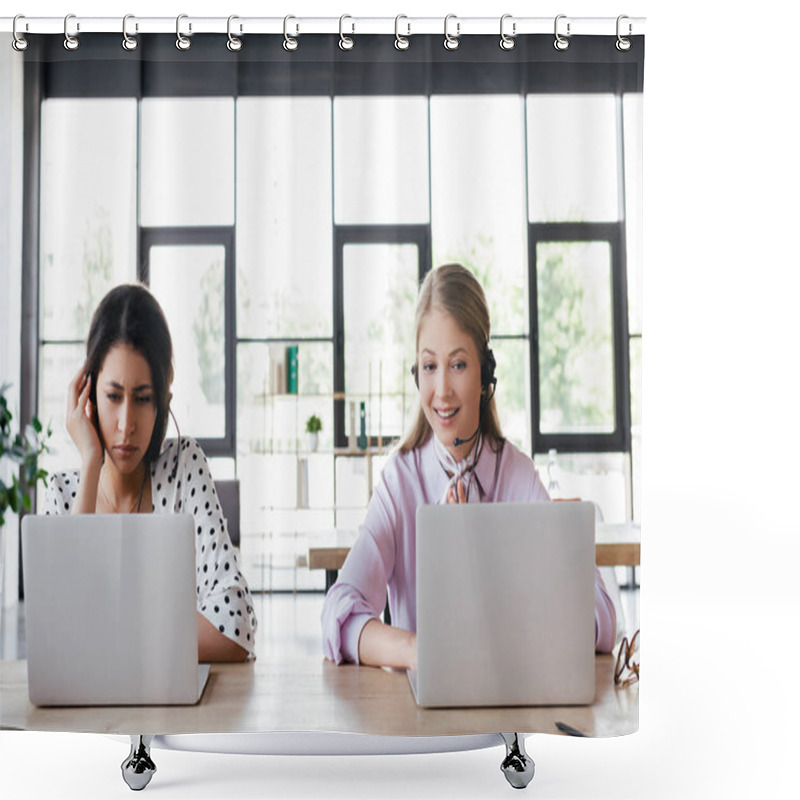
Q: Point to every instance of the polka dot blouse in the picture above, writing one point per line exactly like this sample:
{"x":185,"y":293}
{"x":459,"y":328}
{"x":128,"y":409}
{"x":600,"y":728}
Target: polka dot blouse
{"x":184,"y":486}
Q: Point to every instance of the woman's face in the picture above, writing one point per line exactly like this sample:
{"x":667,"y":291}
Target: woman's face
{"x":449,"y":372}
{"x":126,"y":406}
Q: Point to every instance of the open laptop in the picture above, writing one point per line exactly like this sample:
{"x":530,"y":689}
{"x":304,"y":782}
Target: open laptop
{"x":505,"y":605}
{"x":110,"y":610}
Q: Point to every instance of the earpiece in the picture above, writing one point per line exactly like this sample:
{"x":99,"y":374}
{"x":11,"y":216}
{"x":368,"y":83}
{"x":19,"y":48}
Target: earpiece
{"x":488,"y":366}
{"x":178,"y":454}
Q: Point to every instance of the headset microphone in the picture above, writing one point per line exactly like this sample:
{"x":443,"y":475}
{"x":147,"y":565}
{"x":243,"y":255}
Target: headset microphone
{"x":458,"y":442}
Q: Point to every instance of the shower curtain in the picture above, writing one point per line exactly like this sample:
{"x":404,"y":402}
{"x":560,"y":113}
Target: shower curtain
{"x":284,"y":195}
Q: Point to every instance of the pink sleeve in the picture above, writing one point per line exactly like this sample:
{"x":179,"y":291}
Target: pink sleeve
{"x":605,"y":617}
{"x":359,"y":594}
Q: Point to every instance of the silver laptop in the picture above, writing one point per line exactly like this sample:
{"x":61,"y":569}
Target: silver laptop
{"x":505,"y":605}
{"x":110,"y":610}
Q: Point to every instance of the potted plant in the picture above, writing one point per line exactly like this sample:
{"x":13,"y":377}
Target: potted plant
{"x":21,"y":449}
{"x":313,"y":427}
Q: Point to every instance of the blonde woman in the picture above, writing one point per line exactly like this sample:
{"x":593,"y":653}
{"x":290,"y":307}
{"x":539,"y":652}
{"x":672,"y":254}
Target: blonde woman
{"x":455,"y":453}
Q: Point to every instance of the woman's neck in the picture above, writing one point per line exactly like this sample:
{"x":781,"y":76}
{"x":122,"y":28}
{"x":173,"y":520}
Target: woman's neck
{"x":122,"y":490}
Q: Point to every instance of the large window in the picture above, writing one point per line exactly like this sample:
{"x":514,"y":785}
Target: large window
{"x":286,"y":244}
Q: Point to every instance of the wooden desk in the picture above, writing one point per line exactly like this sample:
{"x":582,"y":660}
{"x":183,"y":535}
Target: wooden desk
{"x":615,"y":545}
{"x":315,"y":695}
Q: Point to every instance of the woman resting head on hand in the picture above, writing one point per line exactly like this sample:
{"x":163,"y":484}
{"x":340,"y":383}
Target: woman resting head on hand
{"x":117,"y":414}
{"x":455,"y":453}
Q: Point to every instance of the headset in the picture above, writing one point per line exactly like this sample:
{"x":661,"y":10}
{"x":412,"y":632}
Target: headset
{"x":488,"y":379}
{"x":178,"y":455}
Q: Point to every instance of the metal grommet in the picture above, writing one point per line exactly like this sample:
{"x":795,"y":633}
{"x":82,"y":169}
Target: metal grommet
{"x":401,"y":42}
{"x":70,"y":42}
{"x":346,"y":42}
{"x":233,"y":44}
{"x":507,"y":42}
{"x":623,"y":44}
{"x":19,"y":42}
{"x":288,"y":42}
{"x":128,"y":42}
{"x":561,"y":43}
{"x":182,"y":43}
{"x":451,"y":42}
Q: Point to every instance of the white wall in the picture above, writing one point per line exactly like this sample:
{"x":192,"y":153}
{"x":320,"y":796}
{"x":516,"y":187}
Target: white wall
{"x":10,"y":277}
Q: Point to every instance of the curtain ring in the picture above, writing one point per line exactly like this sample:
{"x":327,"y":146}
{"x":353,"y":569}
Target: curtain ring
{"x":451,"y":42}
{"x":561,"y":43}
{"x":233,"y":44}
{"x":507,"y":42}
{"x":623,"y":44}
{"x":288,"y":42}
{"x":401,"y":42}
{"x":346,"y":42}
{"x":70,"y":42}
{"x":128,"y":42}
{"x":182,"y":43}
{"x":18,"y":42}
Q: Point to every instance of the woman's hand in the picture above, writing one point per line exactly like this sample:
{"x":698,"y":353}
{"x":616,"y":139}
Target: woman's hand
{"x":80,"y":419}
{"x":456,"y":494}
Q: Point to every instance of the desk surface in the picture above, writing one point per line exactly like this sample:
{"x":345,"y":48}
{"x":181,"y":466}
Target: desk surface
{"x":316,"y":695}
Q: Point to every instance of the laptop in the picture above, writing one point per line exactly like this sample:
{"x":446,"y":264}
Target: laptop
{"x":110,"y":610}
{"x":505,"y":605}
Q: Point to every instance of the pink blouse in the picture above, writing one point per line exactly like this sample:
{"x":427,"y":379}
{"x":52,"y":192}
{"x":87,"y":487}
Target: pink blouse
{"x":385,"y":551}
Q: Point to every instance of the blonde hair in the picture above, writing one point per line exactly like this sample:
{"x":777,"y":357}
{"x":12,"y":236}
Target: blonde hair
{"x":456,"y":291}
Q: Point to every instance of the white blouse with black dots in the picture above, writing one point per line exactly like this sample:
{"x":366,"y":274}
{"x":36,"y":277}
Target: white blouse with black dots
{"x":223,"y":596}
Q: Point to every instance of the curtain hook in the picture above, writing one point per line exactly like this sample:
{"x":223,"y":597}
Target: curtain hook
{"x":507,"y":42}
{"x":561,"y":43}
{"x":128,"y":42}
{"x":70,"y":42}
{"x":288,"y":42}
{"x":19,"y":42}
{"x":346,"y":42}
{"x":451,"y":42}
{"x":623,"y":44}
{"x":182,"y":43}
{"x":401,"y":42}
{"x":233,"y":44}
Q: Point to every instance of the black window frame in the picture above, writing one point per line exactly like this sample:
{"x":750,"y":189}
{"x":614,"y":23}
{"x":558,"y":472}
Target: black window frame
{"x":419,"y":235}
{"x":225,"y":236}
{"x":618,"y":440}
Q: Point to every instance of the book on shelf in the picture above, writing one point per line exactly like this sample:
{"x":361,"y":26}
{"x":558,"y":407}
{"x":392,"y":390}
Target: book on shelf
{"x":277,"y":369}
{"x":283,"y":369}
{"x":291,"y":359}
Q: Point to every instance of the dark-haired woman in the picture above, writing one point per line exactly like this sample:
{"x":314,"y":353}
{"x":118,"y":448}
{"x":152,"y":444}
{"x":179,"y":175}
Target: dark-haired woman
{"x":454,"y":453}
{"x":117,"y":408}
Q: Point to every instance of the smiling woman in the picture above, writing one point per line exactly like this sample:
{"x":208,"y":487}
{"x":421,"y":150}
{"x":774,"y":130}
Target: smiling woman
{"x":117,"y":409}
{"x":454,"y":453}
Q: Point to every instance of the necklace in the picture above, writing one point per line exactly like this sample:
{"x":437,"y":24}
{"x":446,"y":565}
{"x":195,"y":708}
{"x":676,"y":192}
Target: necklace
{"x":136,"y":506}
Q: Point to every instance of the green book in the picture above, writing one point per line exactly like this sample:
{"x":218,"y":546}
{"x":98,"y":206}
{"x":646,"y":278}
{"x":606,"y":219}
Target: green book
{"x":291,"y":358}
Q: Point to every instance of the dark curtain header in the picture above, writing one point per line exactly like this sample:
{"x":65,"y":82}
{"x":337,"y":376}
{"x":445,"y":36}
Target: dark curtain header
{"x":102,"y":68}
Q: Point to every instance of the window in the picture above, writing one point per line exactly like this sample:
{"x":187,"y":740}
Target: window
{"x":296,"y":230}
{"x":479,"y":220}
{"x":87,"y":238}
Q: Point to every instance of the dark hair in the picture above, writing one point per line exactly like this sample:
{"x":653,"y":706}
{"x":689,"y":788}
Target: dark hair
{"x":129,"y":314}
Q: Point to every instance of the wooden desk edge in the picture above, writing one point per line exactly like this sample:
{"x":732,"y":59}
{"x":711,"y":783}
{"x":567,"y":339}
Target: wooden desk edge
{"x":615,"y":554}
